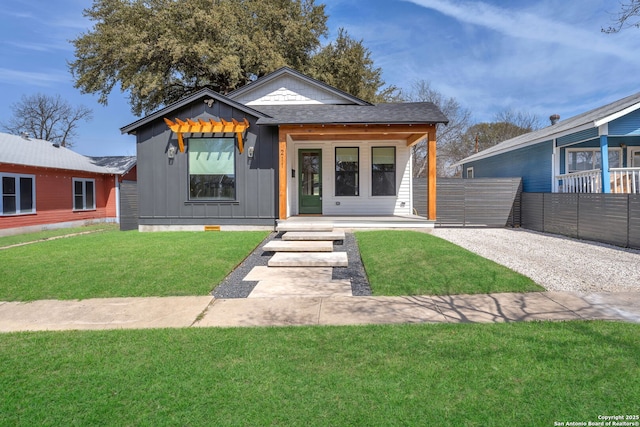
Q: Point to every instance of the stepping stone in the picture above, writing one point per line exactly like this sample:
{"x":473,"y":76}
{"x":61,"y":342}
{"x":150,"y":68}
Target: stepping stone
{"x":313,"y":235}
{"x":305,"y":226}
{"x":295,"y":288}
{"x":309,"y":259}
{"x":298,"y":246}
{"x":262,"y":272}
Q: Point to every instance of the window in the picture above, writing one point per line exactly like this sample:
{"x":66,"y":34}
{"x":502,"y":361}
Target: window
{"x":347,"y":165}
{"x":383,"y":171}
{"x":469,"y":173}
{"x":212,"y":163}
{"x":84,"y":194}
{"x":589,"y":158}
{"x":18,"y":195}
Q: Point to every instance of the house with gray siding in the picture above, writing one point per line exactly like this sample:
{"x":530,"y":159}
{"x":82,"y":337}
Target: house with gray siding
{"x":284,"y":145}
{"x":594,"y":152}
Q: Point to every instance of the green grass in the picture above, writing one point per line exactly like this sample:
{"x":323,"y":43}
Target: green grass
{"x":414,"y":263}
{"x":524,"y":374}
{"x":56,"y":232}
{"x":122,"y":264}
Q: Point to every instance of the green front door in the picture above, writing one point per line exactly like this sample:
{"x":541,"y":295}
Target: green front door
{"x":310,"y":181}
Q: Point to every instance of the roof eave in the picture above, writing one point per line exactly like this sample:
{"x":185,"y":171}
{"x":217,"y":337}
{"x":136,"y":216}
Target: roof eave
{"x":132,"y":127}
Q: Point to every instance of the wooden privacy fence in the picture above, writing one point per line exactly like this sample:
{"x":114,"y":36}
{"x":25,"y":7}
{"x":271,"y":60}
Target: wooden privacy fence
{"x":480,"y":202}
{"x":606,"y":218}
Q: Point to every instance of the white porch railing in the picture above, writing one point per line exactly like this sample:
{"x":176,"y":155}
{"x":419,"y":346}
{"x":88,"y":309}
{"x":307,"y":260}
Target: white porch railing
{"x":580,"y":182}
{"x":623,"y":180}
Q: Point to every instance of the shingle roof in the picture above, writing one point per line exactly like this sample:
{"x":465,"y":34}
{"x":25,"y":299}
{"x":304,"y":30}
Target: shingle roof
{"x":196,"y":96}
{"x":18,"y":150}
{"x":590,"y":119}
{"x":392,"y":113}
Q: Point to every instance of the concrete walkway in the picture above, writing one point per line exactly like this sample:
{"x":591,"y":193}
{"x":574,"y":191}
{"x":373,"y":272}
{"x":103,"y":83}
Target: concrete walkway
{"x":182,"y":312}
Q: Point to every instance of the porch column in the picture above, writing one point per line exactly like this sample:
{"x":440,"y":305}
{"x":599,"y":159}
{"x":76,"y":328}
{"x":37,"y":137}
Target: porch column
{"x":431,"y":176}
{"x":604,"y":167}
{"x":282,"y":175}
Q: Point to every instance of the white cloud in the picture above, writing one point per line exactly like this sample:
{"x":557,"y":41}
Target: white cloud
{"x":529,"y":26}
{"x":32,"y":78}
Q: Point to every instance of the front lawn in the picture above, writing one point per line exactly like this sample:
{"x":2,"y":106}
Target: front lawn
{"x":414,"y":263}
{"x":509,"y":374}
{"x":123,"y":264}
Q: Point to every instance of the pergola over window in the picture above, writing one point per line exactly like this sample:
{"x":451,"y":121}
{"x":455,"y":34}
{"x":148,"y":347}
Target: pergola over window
{"x":181,"y":127}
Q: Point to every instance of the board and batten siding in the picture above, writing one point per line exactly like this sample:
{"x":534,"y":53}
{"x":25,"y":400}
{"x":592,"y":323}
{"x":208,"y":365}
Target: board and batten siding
{"x":365,"y":203}
{"x":533,"y":164}
{"x":163,"y":184}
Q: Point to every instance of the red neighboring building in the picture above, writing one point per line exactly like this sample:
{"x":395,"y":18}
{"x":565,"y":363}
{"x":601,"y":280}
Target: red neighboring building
{"x":47,"y":186}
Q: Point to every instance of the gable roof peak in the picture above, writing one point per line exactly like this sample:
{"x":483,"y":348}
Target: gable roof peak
{"x":290,"y":72}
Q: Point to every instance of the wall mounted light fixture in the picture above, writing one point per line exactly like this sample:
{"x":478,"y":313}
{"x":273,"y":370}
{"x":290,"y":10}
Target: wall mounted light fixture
{"x":171,"y":151}
{"x":250,"y":152}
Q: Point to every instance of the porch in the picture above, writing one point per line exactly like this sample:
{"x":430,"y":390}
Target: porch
{"x":328,"y":223}
{"x":621,"y":181}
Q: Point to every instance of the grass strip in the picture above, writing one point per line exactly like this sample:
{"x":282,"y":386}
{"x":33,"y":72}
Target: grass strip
{"x":17,"y":239}
{"x":413,"y":263}
{"x":123,"y":264}
{"x":526,"y":374}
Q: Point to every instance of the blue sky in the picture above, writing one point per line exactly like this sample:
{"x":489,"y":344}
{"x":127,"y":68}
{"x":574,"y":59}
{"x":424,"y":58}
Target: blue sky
{"x":538,"y":56}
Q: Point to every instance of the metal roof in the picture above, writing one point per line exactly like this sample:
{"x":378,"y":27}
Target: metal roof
{"x":392,"y":113}
{"x":589,"y":120}
{"x":120,"y":165}
{"x":18,"y":150}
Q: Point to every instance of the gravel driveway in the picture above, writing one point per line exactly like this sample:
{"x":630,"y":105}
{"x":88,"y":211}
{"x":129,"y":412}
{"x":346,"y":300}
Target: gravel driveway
{"x":554,"y":262}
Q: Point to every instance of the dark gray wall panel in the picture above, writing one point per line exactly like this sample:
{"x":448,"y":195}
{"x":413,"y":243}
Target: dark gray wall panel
{"x":607,"y":218}
{"x":603,"y":218}
{"x":532,"y":213}
{"x":561,"y":214}
{"x":164,"y":184}
{"x":492,"y":202}
{"x":634,"y":221}
{"x":128,"y":205}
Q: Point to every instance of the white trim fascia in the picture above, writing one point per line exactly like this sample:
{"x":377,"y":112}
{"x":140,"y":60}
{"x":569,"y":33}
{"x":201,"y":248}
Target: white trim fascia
{"x":603,"y":129}
{"x":550,"y":137}
{"x":617,"y":115}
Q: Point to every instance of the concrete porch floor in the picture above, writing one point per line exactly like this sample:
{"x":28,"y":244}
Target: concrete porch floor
{"x":356,"y":221}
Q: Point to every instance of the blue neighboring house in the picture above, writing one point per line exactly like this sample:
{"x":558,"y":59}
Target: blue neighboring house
{"x":594,"y":152}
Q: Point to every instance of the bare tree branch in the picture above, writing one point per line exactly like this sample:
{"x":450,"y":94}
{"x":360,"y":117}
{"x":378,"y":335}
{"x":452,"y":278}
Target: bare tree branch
{"x":629,"y":16}
{"x":46,"y":117}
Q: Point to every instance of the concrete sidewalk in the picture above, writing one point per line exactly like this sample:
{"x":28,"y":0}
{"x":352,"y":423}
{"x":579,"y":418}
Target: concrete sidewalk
{"x":182,"y":312}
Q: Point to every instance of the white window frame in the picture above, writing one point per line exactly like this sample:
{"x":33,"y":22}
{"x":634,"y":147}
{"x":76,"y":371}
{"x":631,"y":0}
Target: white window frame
{"x":630,"y":157}
{"x":84,"y":182}
{"x":17,"y":194}
{"x":470,"y":173}
{"x":592,"y":149}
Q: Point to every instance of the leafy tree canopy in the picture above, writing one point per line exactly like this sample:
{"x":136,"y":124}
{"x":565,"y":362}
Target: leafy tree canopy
{"x":46,"y":117}
{"x":162,"y":50}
